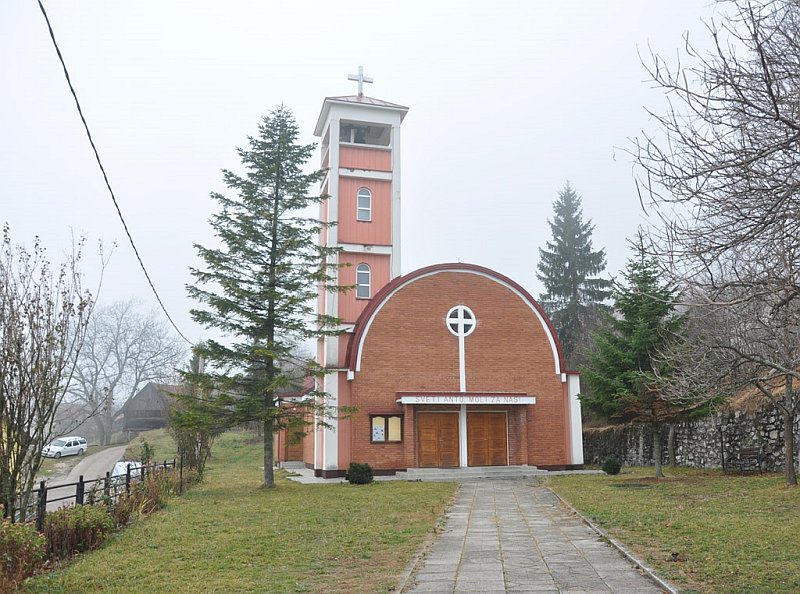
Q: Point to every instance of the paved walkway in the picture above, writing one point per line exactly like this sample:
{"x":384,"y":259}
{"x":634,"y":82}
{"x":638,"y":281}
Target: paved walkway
{"x":512,"y":536}
{"x":91,"y":467}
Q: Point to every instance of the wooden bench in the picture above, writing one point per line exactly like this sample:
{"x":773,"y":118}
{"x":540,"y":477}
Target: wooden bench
{"x":749,"y":460}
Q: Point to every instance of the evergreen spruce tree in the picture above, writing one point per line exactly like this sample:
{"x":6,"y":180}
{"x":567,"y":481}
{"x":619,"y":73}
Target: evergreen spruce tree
{"x":569,"y":269}
{"x":621,"y":373}
{"x":259,"y":286}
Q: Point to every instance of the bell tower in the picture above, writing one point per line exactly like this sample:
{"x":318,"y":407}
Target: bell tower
{"x":360,"y":148}
{"x":361,"y":151}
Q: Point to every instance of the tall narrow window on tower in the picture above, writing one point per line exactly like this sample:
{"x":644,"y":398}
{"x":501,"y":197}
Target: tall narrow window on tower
{"x":364,"y":207}
{"x":363,"y":281}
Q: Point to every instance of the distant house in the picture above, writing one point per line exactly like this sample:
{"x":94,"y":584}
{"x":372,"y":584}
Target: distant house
{"x":149,"y":408}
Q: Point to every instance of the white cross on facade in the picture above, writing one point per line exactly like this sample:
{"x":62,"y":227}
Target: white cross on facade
{"x":360,"y":79}
{"x":461,"y":321}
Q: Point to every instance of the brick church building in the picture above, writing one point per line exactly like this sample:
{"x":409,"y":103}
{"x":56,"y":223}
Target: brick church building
{"x":452,"y":365}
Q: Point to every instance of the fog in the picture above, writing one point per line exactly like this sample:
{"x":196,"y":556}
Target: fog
{"x":508,"y":101}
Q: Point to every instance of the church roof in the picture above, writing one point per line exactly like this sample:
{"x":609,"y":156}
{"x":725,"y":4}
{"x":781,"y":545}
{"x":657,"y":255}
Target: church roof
{"x":376,"y":303}
{"x":366,"y":101}
{"x":356,"y":100}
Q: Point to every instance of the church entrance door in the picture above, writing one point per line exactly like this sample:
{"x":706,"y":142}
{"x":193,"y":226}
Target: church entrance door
{"x":487,"y":441}
{"x":438,"y":440}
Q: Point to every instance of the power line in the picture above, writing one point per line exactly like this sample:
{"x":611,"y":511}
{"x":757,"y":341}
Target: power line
{"x":105,"y":177}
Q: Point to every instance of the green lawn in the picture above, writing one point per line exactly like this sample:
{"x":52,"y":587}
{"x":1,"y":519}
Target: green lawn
{"x":229,"y":535}
{"x":731,"y":533}
{"x":161,"y":441}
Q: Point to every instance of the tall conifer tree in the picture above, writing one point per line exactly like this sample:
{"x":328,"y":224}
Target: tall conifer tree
{"x":260,"y":286}
{"x":569,"y":269}
{"x":625,"y":364}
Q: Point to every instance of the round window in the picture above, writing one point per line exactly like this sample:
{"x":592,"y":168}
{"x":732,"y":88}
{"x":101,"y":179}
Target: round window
{"x":460,"y":320}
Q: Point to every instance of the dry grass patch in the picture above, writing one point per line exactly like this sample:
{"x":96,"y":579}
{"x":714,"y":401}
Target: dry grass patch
{"x":702,"y":530}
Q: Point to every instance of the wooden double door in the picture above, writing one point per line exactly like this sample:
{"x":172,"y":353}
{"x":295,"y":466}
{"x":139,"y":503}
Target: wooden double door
{"x":487,"y":439}
{"x":438,"y":439}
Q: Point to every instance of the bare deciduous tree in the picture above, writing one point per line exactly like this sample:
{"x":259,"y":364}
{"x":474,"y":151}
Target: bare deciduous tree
{"x":43,"y":316}
{"x":726,"y":154}
{"x":123,"y":350}
{"x":735,"y":342}
{"x":723,"y":174}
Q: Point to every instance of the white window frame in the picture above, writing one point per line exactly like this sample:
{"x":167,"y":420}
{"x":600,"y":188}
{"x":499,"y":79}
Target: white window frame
{"x":463,"y":318}
{"x":359,"y":208}
{"x":364,"y":269}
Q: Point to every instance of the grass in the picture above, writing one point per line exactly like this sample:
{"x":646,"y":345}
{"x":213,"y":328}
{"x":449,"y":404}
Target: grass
{"x":730,"y":533}
{"x":230,"y":535}
{"x":161,"y":441}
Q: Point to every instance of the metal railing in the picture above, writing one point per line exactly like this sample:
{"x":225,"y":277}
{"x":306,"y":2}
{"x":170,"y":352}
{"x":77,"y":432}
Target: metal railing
{"x":110,"y":486}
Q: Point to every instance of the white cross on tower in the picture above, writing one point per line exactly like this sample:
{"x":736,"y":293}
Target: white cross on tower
{"x":360,"y":79}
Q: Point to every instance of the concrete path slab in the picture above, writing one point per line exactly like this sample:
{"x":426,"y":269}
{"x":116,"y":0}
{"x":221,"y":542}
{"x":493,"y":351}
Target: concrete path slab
{"x":515,"y":536}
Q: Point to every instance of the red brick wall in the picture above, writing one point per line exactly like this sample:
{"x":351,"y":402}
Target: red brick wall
{"x":408,"y":348}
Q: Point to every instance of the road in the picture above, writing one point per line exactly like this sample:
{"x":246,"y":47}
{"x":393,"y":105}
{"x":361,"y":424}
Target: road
{"x":91,"y":467}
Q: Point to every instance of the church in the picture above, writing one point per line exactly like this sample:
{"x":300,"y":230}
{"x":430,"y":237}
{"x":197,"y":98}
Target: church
{"x":452,"y":365}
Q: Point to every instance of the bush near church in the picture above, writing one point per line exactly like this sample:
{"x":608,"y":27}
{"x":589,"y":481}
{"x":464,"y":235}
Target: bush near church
{"x":611,"y":466}
{"x":359,"y":474}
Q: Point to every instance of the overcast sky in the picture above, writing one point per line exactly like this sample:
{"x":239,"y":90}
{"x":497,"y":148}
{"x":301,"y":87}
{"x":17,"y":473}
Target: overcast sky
{"x":508,"y":100}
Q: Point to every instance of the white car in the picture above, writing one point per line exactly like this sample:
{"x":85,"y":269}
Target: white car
{"x":65,"y":446}
{"x":121,"y":470}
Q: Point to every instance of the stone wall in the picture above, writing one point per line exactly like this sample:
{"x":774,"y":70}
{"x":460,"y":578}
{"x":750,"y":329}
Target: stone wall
{"x":698,"y":443}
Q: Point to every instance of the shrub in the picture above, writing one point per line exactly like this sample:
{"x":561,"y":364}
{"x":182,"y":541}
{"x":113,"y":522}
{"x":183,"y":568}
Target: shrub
{"x":22,"y":550}
{"x":191,"y":477}
{"x":71,"y":530}
{"x":155,"y":490}
{"x":146,"y":496}
{"x":125,"y":507}
{"x":359,"y":474}
{"x":611,"y":466}
{"x":146,"y":453}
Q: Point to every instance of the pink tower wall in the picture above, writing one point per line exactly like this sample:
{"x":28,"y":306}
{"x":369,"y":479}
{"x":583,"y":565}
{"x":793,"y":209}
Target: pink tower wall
{"x":378,"y":231}
{"x":351,"y":157}
{"x":350,"y":306}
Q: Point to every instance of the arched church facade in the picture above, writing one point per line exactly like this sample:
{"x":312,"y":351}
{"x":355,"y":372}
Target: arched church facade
{"x":456,"y":365}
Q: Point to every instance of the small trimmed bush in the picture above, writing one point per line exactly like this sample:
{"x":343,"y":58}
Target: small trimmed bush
{"x":611,"y":466}
{"x":22,"y":550}
{"x":359,"y":474}
{"x":71,"y":530}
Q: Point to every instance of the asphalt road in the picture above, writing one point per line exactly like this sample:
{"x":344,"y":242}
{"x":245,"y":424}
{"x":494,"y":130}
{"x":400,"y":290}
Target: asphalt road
{"x":91,"y":467}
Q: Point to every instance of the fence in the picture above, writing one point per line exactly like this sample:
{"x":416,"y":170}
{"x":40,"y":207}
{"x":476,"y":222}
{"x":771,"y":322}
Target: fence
{"x":112,"y":487}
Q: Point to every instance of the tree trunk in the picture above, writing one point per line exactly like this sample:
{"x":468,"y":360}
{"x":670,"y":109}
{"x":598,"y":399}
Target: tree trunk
{"x":788,"y":447}
{"x":673,"y":461}
{"x":657,"y":449}
{"x":108,"y":416}
{"x":101,"y":430}
{"x":269,"y":439}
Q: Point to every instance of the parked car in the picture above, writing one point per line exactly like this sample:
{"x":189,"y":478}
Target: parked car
{"x":121,"y":469}
{"x":65,"y":446}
